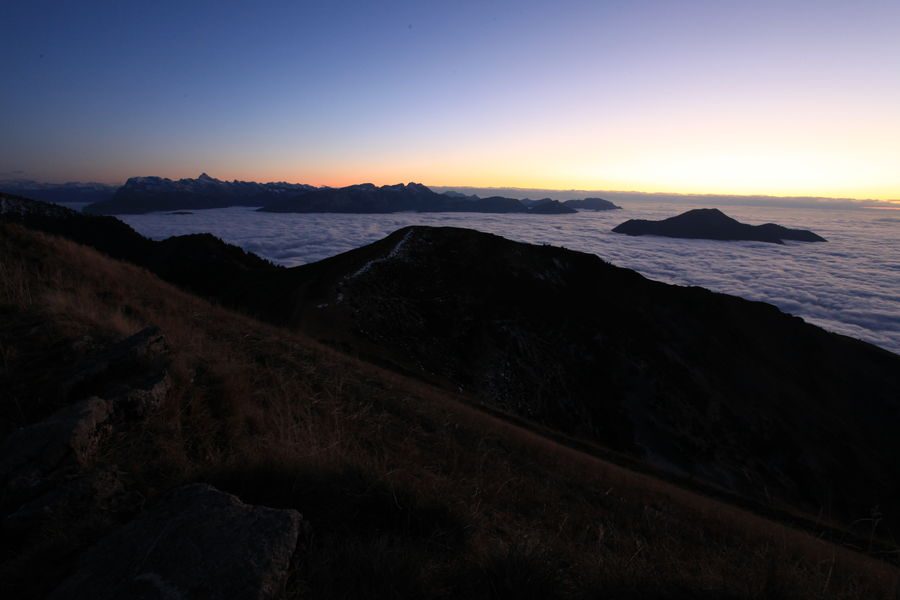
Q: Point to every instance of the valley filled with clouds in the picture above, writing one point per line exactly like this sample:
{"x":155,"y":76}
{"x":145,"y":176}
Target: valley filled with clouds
{"x":849,"y":285}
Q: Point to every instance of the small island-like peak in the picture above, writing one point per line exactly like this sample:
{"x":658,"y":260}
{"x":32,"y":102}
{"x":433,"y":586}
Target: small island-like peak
{"x":713,"y":224}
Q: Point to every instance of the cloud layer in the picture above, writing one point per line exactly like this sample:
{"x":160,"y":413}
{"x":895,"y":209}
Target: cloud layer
{"x":849,"y":285}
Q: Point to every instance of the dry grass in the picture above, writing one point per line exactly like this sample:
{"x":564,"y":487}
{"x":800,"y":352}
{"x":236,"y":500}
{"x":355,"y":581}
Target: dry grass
{"x":409,"y":492}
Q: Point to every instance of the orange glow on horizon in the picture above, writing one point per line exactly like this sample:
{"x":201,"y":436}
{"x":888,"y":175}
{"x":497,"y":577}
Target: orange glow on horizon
{"x":560,"y":183}
{"x":749,"y":156}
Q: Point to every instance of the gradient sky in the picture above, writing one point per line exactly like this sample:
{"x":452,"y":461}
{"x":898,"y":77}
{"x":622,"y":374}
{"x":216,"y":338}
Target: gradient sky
{"x":784,"y":98}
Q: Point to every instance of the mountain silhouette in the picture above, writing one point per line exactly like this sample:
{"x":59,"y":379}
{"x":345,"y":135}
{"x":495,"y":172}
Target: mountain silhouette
{"x":591,"y":204}
{"x":704,"y":386}
{"x":522,"y":421}
{"x":713,"y":224}
{"x":150,"y":194}
{"x":368,"y":198}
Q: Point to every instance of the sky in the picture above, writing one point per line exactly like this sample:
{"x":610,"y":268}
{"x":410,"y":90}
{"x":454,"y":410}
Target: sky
{"x":727,"y":97}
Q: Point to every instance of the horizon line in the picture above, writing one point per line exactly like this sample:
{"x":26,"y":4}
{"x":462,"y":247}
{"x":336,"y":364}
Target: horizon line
{"x":773,"y":196}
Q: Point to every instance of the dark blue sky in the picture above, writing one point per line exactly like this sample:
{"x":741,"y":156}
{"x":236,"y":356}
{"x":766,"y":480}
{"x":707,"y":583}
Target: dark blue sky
{"x":764,"y":97}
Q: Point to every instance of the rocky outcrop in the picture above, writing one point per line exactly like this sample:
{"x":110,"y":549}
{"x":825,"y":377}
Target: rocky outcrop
{"x":46,"y":468}
{"x":69,"y":499}
{"x":131,"y":373}
{"x":68,"y":438}
{"x":126,"y":360}
{"x":197,"y":542}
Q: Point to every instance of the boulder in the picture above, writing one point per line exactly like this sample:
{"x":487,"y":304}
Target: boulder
{"x":74,"y":498}
{"x":69,"y":436}
{"x":121,"y":361}
{"x":197,"y":542}
{"x":42,"y":474}
{"x":142,"y":396}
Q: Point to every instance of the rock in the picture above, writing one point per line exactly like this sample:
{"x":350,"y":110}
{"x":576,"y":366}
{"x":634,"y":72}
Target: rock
{"x":120,"y":361}
{"x":71,"y":434}
{"x":142,"y":397}
{"x":146,"y":342}
{"x":197,"y":542}
{"x":73,"y":498}
{"x":42,"y":470}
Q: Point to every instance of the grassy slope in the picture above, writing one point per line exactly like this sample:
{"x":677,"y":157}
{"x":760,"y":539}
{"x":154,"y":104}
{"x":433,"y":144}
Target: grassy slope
{"x":409,"y":492}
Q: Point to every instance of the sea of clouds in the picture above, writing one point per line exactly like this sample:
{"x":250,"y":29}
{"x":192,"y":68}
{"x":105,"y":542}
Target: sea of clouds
{"x":849,"y":285}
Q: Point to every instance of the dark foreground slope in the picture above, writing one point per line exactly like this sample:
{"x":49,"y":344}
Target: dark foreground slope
{"x":706,"y":386}
{"x":404,"y":491}
{"x":713,"y":224}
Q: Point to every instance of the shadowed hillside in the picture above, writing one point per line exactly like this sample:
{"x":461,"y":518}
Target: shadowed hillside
{"x":405,"y":491}
{"x":201,"y":262}
{"x":703,"y":386}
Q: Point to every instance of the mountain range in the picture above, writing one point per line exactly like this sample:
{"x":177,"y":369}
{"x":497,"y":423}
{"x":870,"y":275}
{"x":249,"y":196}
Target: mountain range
{"x":150,"y":194}
{"x":411,"y":197}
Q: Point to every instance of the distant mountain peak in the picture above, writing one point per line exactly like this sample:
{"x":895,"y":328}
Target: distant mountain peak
{"x":707,"y":215}
{"x":713,"y":224}
{"x":592,"y":203}
{"x":205,"y":177}
{"x":705,"y":211}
